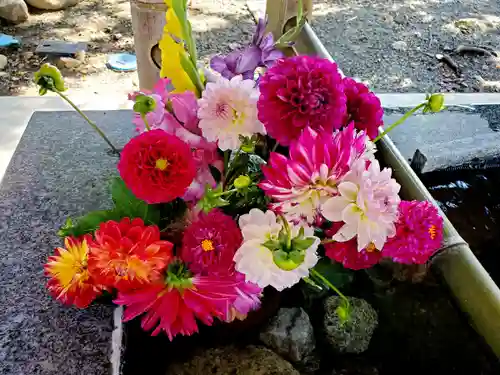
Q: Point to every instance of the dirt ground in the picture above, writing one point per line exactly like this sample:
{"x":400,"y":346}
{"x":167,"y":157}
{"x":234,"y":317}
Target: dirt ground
{"x":392,"y":45}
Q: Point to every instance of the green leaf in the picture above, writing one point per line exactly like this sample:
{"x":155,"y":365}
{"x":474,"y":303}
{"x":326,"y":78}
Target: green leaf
{"x":335,"y":273}
{"x":272,"y":245}
{"x":127,"y":205}
{"x":191,"y":71}
{"x":302,"y":244}
{"x":254,"y":163}
{"x":87,"y":223}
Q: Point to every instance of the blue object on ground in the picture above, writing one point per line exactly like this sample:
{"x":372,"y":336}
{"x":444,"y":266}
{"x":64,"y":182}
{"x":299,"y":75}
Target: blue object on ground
{"x":123,"y":62}
{"x":7,"y":40}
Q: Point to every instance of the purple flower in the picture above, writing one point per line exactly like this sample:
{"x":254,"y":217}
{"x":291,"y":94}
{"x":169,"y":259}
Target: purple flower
{"x":260,"y":53}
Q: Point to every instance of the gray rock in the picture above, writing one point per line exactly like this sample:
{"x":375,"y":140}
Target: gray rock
{"x":52,"y":4}
{"x":290,"y":334}
{"x":252,"y":360}
{"x":3,"y":62}
{"x":14,"y":11}
{"x":400,"y":45}
{"x":68,"y":63}
{"x":354,"y":335}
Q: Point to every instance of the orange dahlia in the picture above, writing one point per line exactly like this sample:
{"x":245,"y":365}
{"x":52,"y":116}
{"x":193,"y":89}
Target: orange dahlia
{"x":128,"y":254}
{"x":70,"y":281}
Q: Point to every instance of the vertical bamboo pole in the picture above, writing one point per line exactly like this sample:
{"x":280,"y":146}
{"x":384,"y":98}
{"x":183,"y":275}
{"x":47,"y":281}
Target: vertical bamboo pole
{"x":148,"y":20}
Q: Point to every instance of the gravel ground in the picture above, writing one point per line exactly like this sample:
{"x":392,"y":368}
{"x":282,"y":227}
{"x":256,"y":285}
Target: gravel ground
{"x":391,"y":44}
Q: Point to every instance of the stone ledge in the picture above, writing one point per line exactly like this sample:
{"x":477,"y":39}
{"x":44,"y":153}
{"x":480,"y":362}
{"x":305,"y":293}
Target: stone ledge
{"x":456,"y":136}
{"x":59,"y":169}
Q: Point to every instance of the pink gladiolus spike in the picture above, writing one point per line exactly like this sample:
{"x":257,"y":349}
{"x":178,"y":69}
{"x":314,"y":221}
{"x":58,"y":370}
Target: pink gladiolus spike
{"x":185,"y":107}
{"x":162,"y":89}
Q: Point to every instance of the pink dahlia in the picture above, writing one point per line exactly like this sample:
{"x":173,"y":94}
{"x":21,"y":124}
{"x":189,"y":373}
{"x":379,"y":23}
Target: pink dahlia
{"x":210,"y":242}
{"x":363,"y":107}
{"x":347,"y":252}
{"x":300,"y":92}
{"x":173,"y":306}
{"x":157,"y":167}
{"x":419,"y":233}
{"x":300,"y":184}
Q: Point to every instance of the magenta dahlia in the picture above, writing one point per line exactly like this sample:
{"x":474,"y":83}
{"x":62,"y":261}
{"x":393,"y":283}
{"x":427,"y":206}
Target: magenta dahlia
{"x":301,"y":183}
{"x":173,"y":306}
{"x":347,"y":252}
{"x":300,"y":92}
{"x":419,"y":233}
{"x":210,"y":242}
{"x":363,"y":107}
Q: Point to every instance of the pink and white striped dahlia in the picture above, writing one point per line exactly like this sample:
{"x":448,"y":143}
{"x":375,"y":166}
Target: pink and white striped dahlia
{"x":368,"y":205}
{"x":301,"y":183}
{"x":174,"y":305}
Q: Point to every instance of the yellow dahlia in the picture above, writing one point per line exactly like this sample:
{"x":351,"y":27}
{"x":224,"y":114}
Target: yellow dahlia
{"x":70,"y":281}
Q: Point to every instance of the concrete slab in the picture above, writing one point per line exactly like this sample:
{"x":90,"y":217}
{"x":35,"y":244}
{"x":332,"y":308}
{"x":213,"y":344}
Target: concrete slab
{"x":15,"y":112}
{"x":456,"y":136}
{"x":60,"y":169}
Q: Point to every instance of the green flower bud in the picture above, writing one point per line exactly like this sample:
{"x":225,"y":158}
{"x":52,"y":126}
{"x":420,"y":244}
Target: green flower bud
{"x":283,"y":260}
{"x":248,"y":143}
{"x":248,"y":148}
{"x":242,"y":182}
{"x":49,"y":78}
{"x":343,"y":313}
{"x":435,"y":103}
{"x":144,"y":104}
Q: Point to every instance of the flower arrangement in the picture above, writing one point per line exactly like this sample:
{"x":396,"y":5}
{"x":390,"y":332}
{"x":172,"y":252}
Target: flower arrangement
{"x":233,"y":185}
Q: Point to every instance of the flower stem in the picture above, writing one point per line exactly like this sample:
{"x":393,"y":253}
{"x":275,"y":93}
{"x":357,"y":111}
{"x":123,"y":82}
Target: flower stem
{"x":229,"y":168}
{"x":330,"y":285}
{"x":227,"y":192}
{"x":275,"y":147}
{"x":144,"y":118}
{"x":323,"y":242}
{"x":91,"y":123}
{"x":400,"y":121}
{"x":226,"y":159}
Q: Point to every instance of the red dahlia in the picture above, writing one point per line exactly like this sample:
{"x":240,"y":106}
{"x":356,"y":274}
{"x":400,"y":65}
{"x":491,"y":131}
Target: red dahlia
{"x":347,"y":252}
{"x":128,"y":254}
{"x":157,"y":167}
